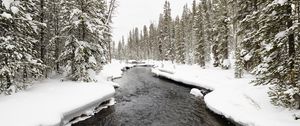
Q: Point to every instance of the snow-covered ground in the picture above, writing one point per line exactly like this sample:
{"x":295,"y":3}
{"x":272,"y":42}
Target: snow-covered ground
{"x":113,"y":70}
{"x":53,"y":102}
{"x":236,"y":99}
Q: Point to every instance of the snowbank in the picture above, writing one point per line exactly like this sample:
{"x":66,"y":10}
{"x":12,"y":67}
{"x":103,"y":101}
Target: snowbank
{"x":113,"y":70}
{"x":52,"y":102}
{"x":236,"y":99}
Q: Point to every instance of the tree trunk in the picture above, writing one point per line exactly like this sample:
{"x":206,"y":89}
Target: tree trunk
{"x":291,"y":46}
{"x":56,"y":27}
{"x":42,"y":49}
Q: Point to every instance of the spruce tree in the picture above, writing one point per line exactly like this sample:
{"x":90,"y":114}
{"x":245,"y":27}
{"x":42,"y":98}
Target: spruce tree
{"x":83,"y":33}
{"x":187,"y":19}
{"x":221,"y":41}
{"x":18,"y":61}
{"x":160,"y":37}
{"x":153,"y":41}
{"x":179,"y":41}
{"x":199,"y":32}
{"x":277,"y":36}
{"x":167,"y":31}
{"x":207,"y":15}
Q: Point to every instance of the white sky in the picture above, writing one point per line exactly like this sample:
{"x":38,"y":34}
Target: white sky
{"x":137,"y":13}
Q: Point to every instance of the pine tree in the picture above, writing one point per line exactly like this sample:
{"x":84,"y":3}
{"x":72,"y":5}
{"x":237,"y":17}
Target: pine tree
{"x":146,"y":44}
{"x":221,"y":41}
{"x":18,"y":61}
{"x":250,"y":48}
{"x":160,"y":37}
{"x":238,"y":71}
{"x":167,"y":31}
{"x":199,"y":31}
{"x":84,"y":35}
{"x":152,"y":42}
{"x":277,"y":36}
{"x":136,"y":41}
{"x":187,"y":19}
{"x":207,"y":14}
{"x":179,"y":42}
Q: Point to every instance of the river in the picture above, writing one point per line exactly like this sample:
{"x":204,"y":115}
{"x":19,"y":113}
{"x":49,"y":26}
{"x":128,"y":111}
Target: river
{"x":145,"y":100}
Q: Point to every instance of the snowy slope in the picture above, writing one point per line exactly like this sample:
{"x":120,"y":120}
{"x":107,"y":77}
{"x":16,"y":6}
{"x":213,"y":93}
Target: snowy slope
{"x":236,"y":99}
{"x":53,"y":102}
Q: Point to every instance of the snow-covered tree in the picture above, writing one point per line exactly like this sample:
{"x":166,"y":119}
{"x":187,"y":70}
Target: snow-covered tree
{"x":179,"y":42}
{"x":221,"y":32}
{"x":153,"y":41}
{"x":167,"y":32}
{"x":18,"y":61}
{"x":199,"y":32}
{"x":187,"y":19}
{"x":277,"y":37}
{"x":84,"y":35}
{"x":207,"y":20}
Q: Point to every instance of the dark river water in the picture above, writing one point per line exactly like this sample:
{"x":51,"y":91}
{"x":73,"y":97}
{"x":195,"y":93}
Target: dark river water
{"x":145,"y":100}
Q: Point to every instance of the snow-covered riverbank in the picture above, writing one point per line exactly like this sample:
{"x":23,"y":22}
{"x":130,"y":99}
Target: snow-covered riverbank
{"x":53,"y":102}
{"x":236,"y":99}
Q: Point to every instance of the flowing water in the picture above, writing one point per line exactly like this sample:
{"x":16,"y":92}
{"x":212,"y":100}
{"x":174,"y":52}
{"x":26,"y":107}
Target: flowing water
{"x":145,"y":100}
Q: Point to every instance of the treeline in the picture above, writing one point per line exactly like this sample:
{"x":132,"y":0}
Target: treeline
{"x":262,"y":36}
{"x":42,"y":37}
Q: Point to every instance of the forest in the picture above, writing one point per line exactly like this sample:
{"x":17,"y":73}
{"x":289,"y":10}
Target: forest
{"x":39,"y":38}
{"x":198,"y":62}
{"x":261,"y":36}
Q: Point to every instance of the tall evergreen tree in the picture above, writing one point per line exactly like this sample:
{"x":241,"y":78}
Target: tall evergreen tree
{"x":187,"y":19}
{"x":278,"y":65}
{"x":179,"y":41}
{"x":167,"y":31}
{"x":199,"y":32}
{"x":18,"y":60}
{"x":83,"y":32}
{"x":221,"y":40}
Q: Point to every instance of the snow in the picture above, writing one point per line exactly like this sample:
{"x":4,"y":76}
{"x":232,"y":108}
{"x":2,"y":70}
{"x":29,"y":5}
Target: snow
{"x":226,"y":63}
{"x":281,"y":2}
{"x":52,"y":102}
{"x":269,"y":47}
{"x":113,"y":70}
{"x":236,"y":99}
{"x":7,"y":3}
{"x":14,"y":9}
{"x":28,"y":17}
{"x":6,"y":15}
{"x":248,"y":57}
{"x":280,"y":35}
{"x":196,"y":92}
{"x":56,"y":102}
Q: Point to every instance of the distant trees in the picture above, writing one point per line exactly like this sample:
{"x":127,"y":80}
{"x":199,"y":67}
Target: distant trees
{"x":38,"y":37}
{"x":262,"y":37}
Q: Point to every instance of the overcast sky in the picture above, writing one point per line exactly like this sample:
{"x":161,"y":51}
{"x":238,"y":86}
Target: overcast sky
{"x":136,"y":13}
